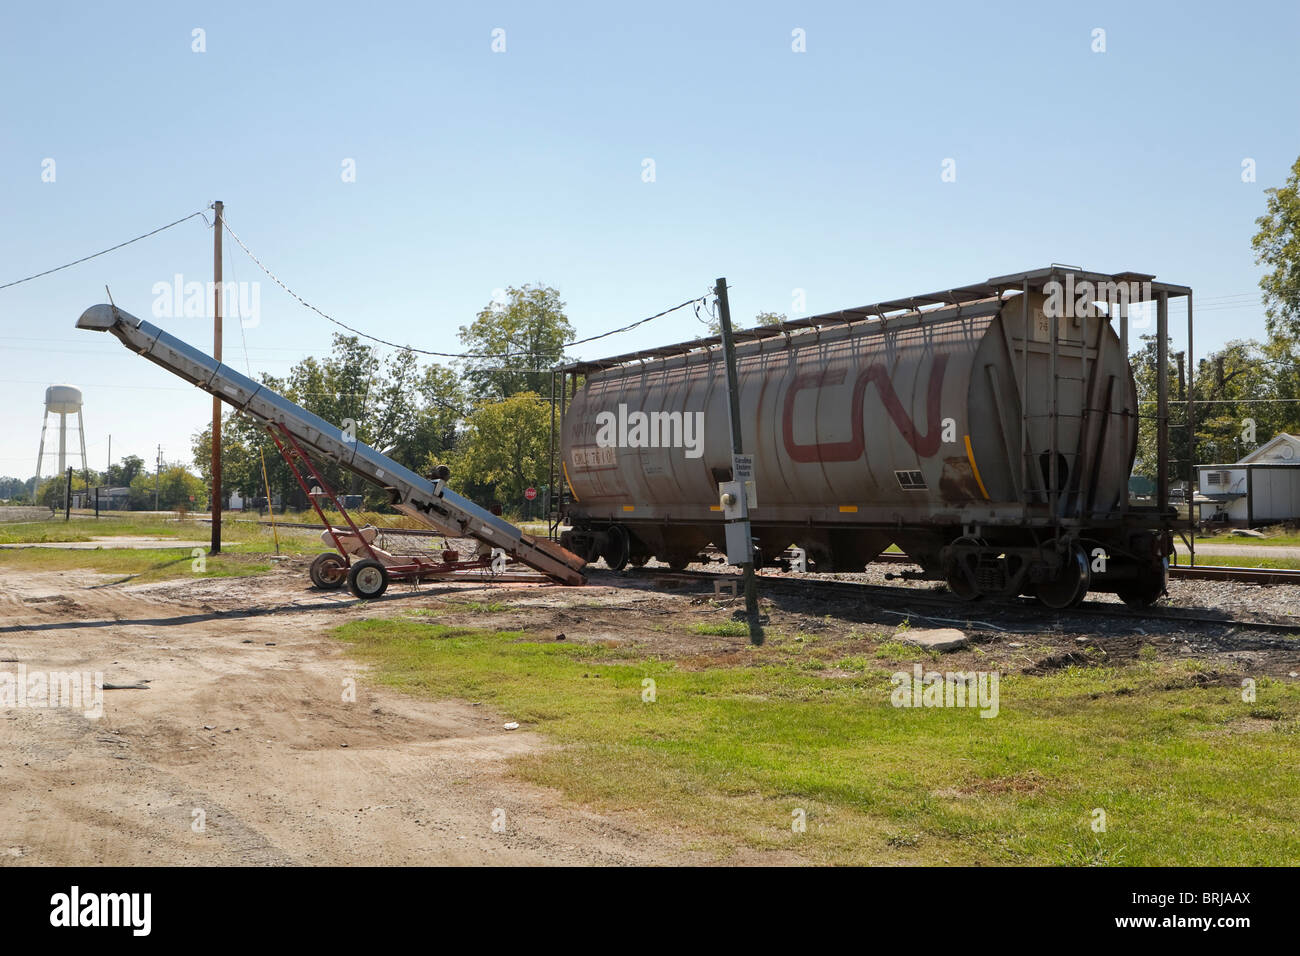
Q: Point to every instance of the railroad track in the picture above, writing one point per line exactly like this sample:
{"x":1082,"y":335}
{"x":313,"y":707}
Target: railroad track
{"x":896,"y":600}
{"x":1201,"y":572}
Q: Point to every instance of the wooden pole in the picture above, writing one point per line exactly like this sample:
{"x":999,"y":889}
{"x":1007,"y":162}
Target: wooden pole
{"x":737,"y":449}
{"x":216,"y":402}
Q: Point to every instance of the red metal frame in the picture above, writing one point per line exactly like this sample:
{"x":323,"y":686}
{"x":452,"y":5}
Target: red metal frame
{"x":397,"y":571}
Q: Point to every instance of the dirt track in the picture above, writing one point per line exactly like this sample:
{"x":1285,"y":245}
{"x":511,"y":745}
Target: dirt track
{"x":244,"y":720}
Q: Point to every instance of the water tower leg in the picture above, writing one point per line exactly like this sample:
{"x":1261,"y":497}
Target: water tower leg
{"x":63,"y":442}
{"x":40,"y":455}
{"x":81,"y":432}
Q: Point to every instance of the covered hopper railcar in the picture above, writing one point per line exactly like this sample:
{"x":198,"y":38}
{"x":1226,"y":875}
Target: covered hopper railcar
{"x":994,"y":447}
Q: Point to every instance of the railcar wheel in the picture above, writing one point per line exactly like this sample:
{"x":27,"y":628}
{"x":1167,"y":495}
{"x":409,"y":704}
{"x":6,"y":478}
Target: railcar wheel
{"x":1070,"y":585}
{"x":960,"y":584}
{"x":618,"y":549}
{"x":1142,"y":591}
{"x":368,"y":579}
{"x":328,"y":571}
{"x":678,"y":564}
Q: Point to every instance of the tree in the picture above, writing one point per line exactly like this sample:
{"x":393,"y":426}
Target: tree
{"x":1277,"y":245}
{"x":241,"y":466}
{"x":506,"y":446}
{"x":176,"y":488}
{"x":408,"y":412}
{"x":121,"y":475}
{"x":1234,"y":389}
{"x":14,"y":489}
{"x":517,"y":343}
{"x":429,"y":432}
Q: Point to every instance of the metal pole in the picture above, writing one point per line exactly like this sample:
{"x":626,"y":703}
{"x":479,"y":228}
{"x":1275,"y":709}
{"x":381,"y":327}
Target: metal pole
{"x":67,"y":497}
{"x":1137,"y":412}
{"x":270,"y":510}
{"x":1053,"y":468}
{"x":40,"y":454}
{"x":737,"y":448}
{"x":1162,"y":404}
{"x":216,"y":402}
{"x":1191,"y":432}
{"x":81,"y":433}
{"x":1024,"y":394}
{"x":157,"y":475}
{"x":561,"y":502}
{"x":550,"y":476}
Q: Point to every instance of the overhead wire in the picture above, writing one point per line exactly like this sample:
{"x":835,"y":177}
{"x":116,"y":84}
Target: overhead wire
{"x":95,"y":255}
{"x":451,"y":355}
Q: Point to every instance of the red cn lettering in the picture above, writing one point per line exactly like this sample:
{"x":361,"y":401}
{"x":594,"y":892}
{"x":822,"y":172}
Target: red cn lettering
{"x":851,"y":450}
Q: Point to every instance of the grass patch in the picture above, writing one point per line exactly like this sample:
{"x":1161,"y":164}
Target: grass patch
{"x":136,"y":566}
{"x":236,"y":535}
{"x":477,"y":607}
{"x":1283,"y":540}
{"x":727,"y":754}
{"x":721,"y":629}
{"x":1243,"y":561}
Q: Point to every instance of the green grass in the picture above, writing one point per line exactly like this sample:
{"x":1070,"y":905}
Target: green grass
{"x":726,"y":754}
{"x":237,"y":535}
{"x":476,"y":607}
{"x":1243,"y":561}
{"x":1284,"y":540}
{"x":721,"y":629}
{"x":136,"y":566}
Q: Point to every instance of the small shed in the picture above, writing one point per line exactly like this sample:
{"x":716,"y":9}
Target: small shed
{"x":1261,"y":488}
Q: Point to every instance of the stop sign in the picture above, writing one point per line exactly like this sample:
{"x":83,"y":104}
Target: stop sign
{"x":530,"y":493}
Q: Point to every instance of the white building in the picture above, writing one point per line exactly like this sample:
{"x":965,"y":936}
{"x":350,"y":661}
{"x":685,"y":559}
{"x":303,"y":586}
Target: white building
{"x":1262,"y":488}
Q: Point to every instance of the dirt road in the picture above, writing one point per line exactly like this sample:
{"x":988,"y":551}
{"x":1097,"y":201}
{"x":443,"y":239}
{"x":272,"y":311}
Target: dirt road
{"x":244,"y":728}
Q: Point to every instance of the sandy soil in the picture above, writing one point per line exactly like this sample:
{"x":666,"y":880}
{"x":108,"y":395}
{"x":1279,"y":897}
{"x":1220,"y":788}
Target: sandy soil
{"x":244,"y":720}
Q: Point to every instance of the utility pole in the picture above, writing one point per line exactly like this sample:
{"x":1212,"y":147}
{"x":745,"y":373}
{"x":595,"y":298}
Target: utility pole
{"x":740,"y":541}
{"x":110,"y":457}
{"x":216,"y":402}
{"x":157,"y":474}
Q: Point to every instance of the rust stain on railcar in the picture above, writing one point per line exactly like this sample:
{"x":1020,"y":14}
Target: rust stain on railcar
{"x":958,"y":482}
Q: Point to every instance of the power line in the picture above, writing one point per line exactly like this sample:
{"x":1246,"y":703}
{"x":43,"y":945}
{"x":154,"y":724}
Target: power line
{"x":102,"y":252}
{"x":452,"y":355}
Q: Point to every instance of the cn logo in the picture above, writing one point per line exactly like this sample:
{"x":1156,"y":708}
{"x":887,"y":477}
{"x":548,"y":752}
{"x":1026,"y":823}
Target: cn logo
{"x":925,"y":445}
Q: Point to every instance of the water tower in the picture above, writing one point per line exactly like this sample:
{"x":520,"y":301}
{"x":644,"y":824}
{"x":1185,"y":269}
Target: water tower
{"x":62,"y":400}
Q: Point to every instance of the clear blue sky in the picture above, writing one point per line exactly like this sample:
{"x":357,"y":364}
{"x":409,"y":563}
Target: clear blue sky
{"x":476,"y":170}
